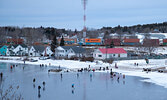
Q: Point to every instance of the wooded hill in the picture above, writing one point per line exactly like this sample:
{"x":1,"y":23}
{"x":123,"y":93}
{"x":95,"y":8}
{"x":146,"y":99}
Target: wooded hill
{"x":39,"y":34}
{"x":146,"y":28}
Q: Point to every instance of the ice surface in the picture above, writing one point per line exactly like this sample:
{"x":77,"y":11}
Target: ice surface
{"x":126,"y":67}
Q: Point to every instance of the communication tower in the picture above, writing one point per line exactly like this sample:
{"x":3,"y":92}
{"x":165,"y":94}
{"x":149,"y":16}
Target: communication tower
{"x":84,"y":17}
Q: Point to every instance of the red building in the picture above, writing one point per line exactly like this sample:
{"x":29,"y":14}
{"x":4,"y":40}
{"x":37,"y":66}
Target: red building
{"x":15,"y":41}
{"x":131,"y":42}
{"x":117,"y":42}
{"x":164,"y":41}
{"x":151,"y":42}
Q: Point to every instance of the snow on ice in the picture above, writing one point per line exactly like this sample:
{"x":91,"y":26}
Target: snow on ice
{"x":126,"y":67}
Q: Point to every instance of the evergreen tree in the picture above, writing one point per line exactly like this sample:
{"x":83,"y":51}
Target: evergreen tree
{"x":54,"y":44}
{"x":62,"y":41}
{"x":112,"y":44}
{"x":75,"y":31}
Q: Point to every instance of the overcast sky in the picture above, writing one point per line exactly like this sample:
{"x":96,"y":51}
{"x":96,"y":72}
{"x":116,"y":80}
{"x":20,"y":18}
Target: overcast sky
{"x":69,"y":13}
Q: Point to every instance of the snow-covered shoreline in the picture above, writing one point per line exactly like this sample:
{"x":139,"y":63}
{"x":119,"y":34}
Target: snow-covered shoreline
{"x":126,"y":67}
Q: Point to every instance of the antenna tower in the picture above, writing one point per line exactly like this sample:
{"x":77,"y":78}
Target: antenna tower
{"x":84,"y":17}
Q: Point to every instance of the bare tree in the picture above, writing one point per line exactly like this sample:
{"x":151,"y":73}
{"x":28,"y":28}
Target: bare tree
{"x":10,"y":93}
{"x":92,"y":33}
{"x":149,"y":45}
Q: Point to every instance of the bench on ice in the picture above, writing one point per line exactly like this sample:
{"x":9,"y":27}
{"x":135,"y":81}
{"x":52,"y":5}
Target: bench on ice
{"x":153,"y":69}
{"x":54,"y":70}
{"x":162,"y":70}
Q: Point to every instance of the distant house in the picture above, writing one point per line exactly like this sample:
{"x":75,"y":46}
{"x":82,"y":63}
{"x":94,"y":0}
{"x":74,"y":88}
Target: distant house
{"x":164,"y":41}
{"x":131,"y":42}
{"x":89,"y":52}
{"x":151,"y":42}
{"x":62,"y":51}
{"x":18,"y":50}
{"x":10,"y":50}
{"x":15,"y":41}
{"x":69,"y":51}
{"x":3,"y":50}
{"x":107,"y":53}
{"x":76,"y":51}
{"x":36,"y":50}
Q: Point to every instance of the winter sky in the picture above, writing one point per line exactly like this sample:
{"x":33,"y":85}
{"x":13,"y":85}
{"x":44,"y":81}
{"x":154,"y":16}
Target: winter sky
{"x":69,"y":13}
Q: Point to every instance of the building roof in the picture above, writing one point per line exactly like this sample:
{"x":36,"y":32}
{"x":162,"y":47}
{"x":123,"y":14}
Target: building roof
{"x":115,"y":41}
{"x":164,"y":40}
{"x":3,"y":46}
{"x":23,"y":45}
{"x":15,"y":40}
{"x":39,"y":48}
{"x":131,"y":40}
{"x":151,"y":42}
{"x":76,"y":49}
{"x":66,"y":47}
{"x":112,"y":50}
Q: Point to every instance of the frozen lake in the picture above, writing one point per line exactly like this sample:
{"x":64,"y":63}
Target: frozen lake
{"x":99,"y":87}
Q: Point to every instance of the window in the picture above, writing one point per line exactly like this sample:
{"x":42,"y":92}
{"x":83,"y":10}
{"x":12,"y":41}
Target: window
{"x":71,"y":51}
{"x":99,"y":55}
{"x":66,"y":50}
{"x":113,"y":54}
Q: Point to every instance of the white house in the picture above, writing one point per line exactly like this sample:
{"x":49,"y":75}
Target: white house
{"x":9,"y":51}
{"x":47,"y":52}
{"x":62,"y":51}
{"x":69,"y":51}
{"x":19,"y":50}
{"x":107,"y":53}
{"x":36,"y":50}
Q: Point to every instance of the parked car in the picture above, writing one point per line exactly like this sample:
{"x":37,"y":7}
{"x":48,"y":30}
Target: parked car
{"x":33,"y":60}
{"x":43,"y":58}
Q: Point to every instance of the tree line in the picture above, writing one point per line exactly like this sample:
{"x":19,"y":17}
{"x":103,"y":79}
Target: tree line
{"x":145,"y":28}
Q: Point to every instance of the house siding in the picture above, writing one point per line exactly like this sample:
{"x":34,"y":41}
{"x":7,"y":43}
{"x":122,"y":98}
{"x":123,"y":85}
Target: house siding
{"x":48,"y":52}
{"x":3,"y":50}
{"x":60,"y":52}
{"x":18,"y":48}
{"x":34,"y":52}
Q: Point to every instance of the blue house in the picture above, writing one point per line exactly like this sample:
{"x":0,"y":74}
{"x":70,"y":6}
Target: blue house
{"x":3,"y":50}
